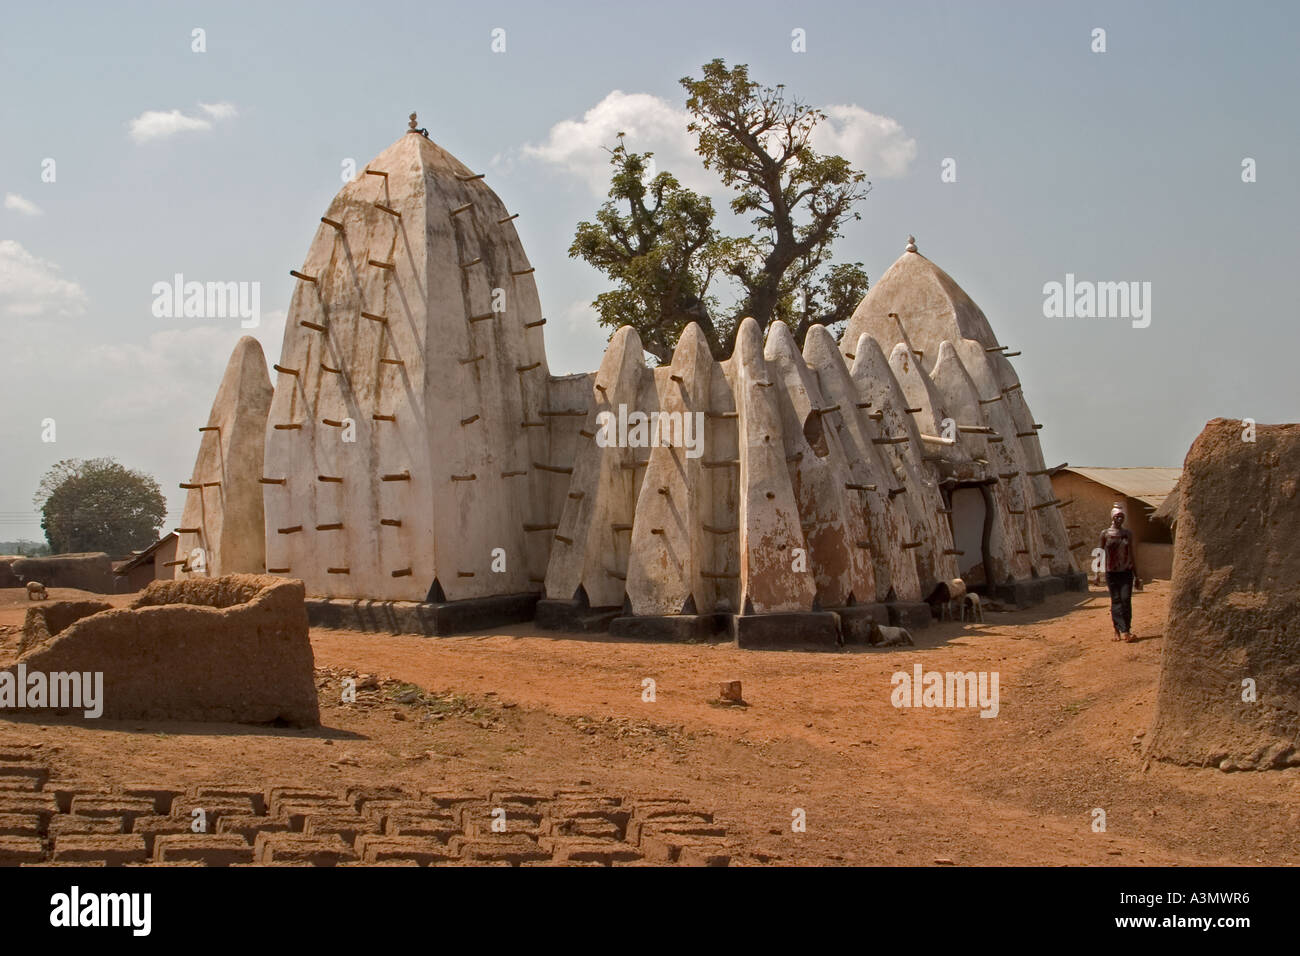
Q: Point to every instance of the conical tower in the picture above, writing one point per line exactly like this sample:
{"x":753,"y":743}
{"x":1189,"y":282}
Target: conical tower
{"x":221,"y":526}
{"x":412,"y":450}
{"x":917,"y":306}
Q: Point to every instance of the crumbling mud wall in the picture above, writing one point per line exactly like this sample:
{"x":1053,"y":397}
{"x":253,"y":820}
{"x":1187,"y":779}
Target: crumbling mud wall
{"x":90,"y":571}
{"x":1230,"y":671}
{"x":45,"y":620}
{"x":230,"y":649}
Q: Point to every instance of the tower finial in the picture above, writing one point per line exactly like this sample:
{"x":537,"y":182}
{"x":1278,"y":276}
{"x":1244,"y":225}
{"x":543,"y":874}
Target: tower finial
{"x":416,"y":129}
{"x":911,"y":243}
{"x":412,"y":123}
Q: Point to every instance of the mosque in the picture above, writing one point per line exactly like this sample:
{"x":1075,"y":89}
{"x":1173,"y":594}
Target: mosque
{"x":415,"y":451}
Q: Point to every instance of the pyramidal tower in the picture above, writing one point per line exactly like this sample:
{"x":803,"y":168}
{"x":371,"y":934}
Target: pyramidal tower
{"x":416,"y":440}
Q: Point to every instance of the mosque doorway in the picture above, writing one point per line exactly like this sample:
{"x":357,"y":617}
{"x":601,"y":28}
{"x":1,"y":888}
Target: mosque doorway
{"x":972,"y":522}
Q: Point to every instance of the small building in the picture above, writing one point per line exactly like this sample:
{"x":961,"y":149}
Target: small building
{"x":1090,"y":493}
{"x":154,"y":563}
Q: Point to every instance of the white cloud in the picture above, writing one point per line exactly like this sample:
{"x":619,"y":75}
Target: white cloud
{"x":878,"y":145}
{"x":160,"y":124}
{"x":176,"y":368}
{"x":270,"y":332}
{"x":875,"y":144}
{"x":183,"y":359}
{"x":157,"y":124}
{"x":651,"y":123}
{"x":220,"y":111}
{"x":33,"y":287}
{"x":183,"y":364}
{"x":18,"y":204}
{"x":581,"y":316}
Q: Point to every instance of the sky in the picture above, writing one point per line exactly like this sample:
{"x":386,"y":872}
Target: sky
{"x":1128,"y":164}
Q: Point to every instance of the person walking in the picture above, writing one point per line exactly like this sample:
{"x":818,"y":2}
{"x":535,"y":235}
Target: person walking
{"x":1117,"y":547}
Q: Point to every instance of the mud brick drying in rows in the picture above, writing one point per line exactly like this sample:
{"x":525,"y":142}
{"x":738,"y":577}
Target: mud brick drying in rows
{"x":47,"y":821}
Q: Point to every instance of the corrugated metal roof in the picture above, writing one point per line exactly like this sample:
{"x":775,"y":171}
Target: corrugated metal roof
{"x":1149,"y":485}
{"x":139,"y":559}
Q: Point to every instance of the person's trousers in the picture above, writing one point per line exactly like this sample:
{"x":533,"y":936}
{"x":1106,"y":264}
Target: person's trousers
{"x":1120,"y":585}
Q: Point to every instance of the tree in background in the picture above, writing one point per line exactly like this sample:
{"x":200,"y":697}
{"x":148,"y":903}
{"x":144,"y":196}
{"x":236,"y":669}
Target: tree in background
{"x":665,"y":252}
{"x":25,"y":548}
{"x":99,"y":505}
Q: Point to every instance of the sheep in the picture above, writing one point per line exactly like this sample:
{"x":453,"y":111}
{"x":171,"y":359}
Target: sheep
{"x":36,"y":591}
{"x":883,"y":636}
{"x":971,"y":603}
{"x":945,"y":600}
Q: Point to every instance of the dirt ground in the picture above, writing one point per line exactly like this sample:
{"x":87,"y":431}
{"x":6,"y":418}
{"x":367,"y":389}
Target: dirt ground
{"x":879,"y":785}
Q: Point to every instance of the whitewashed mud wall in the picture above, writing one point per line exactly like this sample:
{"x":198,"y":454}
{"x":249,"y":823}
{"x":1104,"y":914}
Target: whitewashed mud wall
{"x":413,"y":449}
{"x":221,"y":525}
